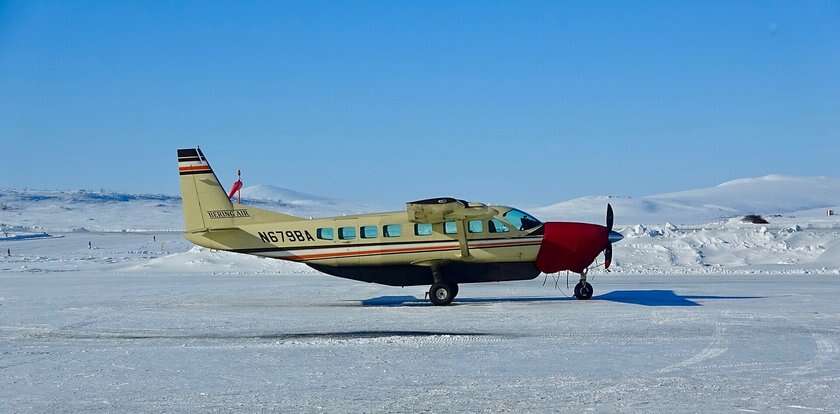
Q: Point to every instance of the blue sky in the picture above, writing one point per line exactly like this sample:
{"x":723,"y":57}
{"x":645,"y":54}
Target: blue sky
{"x":518,"y":102}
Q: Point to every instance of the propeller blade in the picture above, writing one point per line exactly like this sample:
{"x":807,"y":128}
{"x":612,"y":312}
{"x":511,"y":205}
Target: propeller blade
{"x":611,"y":237}
{"x":608,"y":256}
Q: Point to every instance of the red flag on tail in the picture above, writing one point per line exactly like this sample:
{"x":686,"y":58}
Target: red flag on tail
{"x":237,"y":185}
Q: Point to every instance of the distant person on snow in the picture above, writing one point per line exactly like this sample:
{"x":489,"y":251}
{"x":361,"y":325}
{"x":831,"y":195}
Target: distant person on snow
{"x":90,"y":245}
{"x":9,"y":252}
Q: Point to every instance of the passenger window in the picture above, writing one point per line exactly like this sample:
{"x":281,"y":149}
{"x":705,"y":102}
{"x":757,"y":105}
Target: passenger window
{"x":423,"y":229}
{"x":476,"y":226}
{"x":391,"y":230}
{"x":450,"y":227}
{"x":325,"y":233}
{"x":497,"y":226}
{"x":368,"y":232}
{"x":347,"y":233}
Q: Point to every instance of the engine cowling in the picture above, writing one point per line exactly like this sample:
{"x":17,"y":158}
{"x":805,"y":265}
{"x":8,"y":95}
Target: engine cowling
{"x":571,"y":246}
{"x":574,"y":246}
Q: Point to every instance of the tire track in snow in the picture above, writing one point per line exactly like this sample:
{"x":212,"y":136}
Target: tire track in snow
{"x":715,"y":348}
{"x":224,"y":339}
{"x":826,"y":350}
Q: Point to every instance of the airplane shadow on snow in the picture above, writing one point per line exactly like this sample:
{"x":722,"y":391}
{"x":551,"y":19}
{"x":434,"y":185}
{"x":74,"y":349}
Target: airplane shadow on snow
{"x":633,"y":297}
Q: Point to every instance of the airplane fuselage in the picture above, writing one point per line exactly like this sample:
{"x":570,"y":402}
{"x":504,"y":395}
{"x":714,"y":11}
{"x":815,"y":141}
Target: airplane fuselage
{"x":386,"y":247}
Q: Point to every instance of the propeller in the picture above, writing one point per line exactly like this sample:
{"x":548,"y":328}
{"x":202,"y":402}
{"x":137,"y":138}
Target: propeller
{"x":612,"y":237}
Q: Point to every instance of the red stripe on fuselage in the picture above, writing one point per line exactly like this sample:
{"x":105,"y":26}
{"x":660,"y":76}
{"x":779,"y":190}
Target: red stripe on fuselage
{"x":322,"y":256}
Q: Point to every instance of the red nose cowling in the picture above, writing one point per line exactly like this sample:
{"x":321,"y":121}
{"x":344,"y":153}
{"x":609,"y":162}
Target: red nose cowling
{"x":571,"y":246}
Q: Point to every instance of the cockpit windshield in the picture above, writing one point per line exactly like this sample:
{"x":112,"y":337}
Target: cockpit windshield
{"x":521,"y":220}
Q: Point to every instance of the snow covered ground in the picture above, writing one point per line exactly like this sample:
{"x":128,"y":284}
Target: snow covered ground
{"x":143,"y":322}
{"x":101,"y":310}
{"x":114,"y":341}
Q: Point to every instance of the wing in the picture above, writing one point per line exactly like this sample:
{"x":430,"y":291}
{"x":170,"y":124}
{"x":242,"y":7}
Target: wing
{"x":439,"y":210}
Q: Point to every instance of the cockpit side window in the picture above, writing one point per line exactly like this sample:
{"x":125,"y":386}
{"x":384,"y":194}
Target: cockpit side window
{"x":521,"y":220}
{"x":497,"y":226}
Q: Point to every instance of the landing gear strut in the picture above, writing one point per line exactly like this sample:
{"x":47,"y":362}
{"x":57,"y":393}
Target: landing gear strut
{"x":442,"y":294}
{"x":583,"y":290}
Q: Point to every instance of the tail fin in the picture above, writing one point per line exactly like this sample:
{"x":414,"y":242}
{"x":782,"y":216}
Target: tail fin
{"x":205,"y":203}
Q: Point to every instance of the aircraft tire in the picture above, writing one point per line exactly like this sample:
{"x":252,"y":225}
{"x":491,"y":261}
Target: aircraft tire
{"x":583,"y":291}
{"x":442,"y":294}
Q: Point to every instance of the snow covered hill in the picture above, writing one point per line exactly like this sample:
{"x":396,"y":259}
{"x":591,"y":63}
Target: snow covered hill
{"x":263,"y":192}
{"x":65,"y":211}
{"x":80,"y":211}
{"x":769,"y":195}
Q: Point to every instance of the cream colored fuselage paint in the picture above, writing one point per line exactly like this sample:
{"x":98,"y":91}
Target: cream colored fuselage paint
{"x":298,"y":240}
{"x":212,"y":220}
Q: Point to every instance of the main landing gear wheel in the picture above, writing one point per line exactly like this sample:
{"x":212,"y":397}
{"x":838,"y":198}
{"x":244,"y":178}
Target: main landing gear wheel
{"x":583,"y":291}
{"x":442,"y":294}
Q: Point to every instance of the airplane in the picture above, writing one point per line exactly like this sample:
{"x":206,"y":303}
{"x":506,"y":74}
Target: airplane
{"x":441,"y":242}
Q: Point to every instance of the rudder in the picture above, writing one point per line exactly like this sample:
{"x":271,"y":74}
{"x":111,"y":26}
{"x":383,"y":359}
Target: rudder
{"x":202,"y":196}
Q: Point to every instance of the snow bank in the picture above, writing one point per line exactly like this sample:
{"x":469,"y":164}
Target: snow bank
{"x":202,"y":260}
{"x":785,"y":245}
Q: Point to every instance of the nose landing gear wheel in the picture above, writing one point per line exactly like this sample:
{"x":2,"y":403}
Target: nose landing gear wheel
{"x":442,"y":294}
{"x":583,"y":291}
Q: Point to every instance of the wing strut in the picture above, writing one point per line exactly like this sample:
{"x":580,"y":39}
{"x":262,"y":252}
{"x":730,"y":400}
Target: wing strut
{"x":462,"y":238}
